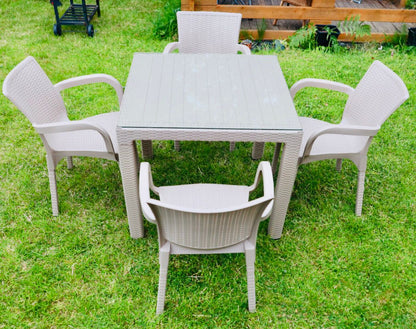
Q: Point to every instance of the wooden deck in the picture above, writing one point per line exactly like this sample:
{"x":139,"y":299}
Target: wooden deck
{"x":376,"y":27}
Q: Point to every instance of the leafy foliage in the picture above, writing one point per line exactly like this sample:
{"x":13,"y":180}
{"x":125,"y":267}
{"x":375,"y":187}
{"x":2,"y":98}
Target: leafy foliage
{"x":353,"y":26}
{"x":246,"y":35}
{"x":261,"y":29}
{"x":304,"y":38}
{"x":165,"y":25}
{"x":399,"y":39}
{"x":410,"y":4}
{"x":327,"y":36}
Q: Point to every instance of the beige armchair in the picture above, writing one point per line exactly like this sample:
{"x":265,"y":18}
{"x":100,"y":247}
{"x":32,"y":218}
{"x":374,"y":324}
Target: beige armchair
{"x":379,"y":93}
{"x":30,"y":89}
{"x":206,"y":219}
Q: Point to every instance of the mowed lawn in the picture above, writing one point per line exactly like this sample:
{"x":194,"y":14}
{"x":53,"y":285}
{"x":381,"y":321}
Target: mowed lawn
{"x":330,"y":269}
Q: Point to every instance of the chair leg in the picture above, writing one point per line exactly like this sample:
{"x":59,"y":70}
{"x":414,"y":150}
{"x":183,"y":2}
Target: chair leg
{"x":360,"y":192}
{"x":251,"y":284}
{"x":163,"y":273}
{"x":276,"y":156}
{"x":177,"y":145}
{"x":52,"y":186}
{"x":282,"y":3}
{"x":232,"y":146}
{"x":69,"y":163}
{"x":147,"y":149}
{"x":258,"y":149}
{"x":339,"y":164}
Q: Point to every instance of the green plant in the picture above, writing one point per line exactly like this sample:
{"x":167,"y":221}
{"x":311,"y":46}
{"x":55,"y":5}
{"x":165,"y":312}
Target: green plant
{"x":410,"y":4}
{"x":304,"y":38}
{"x":245,"y":35}
{"x":332,"y":37}
{"x":399,"y":38}
{"x":353,"y":26}
{"x":261,"y":29}
{"x":165,"y":24}
{"x":327,"y":36}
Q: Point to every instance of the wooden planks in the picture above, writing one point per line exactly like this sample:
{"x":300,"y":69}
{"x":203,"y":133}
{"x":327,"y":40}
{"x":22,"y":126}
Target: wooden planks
{"x":383,"y":16}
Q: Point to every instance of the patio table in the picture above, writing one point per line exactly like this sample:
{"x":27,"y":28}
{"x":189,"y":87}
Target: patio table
{"x":207,"y":97}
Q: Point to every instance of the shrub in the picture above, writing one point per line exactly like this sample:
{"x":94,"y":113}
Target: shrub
{"x":165,"y":25}
{"x":304,"y":38}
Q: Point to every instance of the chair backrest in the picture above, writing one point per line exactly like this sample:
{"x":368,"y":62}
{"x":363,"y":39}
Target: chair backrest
{"x":30,"y":89}
{"x":379,"y":93}
{"x":208,"y":32}
{"x":208,"y":230}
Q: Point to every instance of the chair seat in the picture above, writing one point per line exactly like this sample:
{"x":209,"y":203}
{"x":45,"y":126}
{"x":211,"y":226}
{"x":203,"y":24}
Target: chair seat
{"x":204,"y":196}
{"x":89,"y":141}
{"x":329,"y":144}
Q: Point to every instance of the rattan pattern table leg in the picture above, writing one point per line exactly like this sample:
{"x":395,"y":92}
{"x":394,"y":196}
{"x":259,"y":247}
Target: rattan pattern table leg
{"x":284,"y":185}
{"x":129,"y":168}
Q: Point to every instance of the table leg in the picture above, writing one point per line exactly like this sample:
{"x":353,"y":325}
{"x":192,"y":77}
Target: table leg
{"x":129,"y":168}
{"x":276,"y":156}
{"x":284,"y":185}
{"x":258,"y":149}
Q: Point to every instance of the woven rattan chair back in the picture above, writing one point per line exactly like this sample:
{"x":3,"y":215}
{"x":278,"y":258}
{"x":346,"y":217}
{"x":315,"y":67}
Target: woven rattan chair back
{"x":30,"y":89}
{"x":379,"y":93}
{"x":208,"y":32}
{"x":209,"y":230}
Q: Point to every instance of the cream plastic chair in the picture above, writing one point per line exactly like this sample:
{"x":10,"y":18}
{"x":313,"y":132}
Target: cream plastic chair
{"x":379,"y":93}
{"x":29,"y":88}
{"x":207,"y":32}
{"x":201,"y":32}
{"x":206,"y":219}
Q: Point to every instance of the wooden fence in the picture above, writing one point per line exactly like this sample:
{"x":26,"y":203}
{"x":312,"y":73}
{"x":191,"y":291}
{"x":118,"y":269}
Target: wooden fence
{"x":321,"y":12}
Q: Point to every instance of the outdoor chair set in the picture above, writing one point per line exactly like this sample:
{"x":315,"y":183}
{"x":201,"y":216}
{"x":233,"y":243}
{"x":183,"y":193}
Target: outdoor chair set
{"x":205,"y":218}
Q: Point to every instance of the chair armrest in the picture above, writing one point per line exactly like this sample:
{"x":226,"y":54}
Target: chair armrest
{"x":265,"y":170}
{"x":171,"y":47}
{"x":319,"y":83}
{"x":65,"y":126}
{"x":244,"y":49}
{"x":145,"y":185}
{"x":92,"y":78}
{"x":340,"y":130}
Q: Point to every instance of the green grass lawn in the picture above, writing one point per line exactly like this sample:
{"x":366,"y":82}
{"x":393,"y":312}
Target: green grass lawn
{"x":81,"y":269}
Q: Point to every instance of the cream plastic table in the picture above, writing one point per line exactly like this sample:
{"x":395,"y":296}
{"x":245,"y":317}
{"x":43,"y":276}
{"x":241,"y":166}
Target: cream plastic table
{"x":207,"y":97}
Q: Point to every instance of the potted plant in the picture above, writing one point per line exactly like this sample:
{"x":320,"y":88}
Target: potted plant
{"x":326,"y":35}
